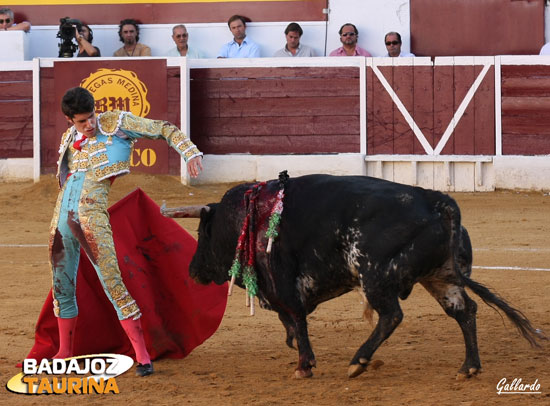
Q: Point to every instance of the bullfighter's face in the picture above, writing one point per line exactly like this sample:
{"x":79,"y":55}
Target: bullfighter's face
{"x":84,"y":123}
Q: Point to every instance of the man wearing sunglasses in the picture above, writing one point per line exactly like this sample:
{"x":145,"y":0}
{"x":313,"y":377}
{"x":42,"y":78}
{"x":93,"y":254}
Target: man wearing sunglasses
{"x":7,"y":22}
{"x":393,"y":45}
{"x":180,"y":37}
{"x":348,"y":37}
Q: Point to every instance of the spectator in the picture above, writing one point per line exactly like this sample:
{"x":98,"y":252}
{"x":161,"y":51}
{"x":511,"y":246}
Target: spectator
{"x":180,"y":37}
{"x":393,"y":45}
{"x":84,"y":37}
{"x":293,"y":33}
{"x":128,"y":33}
{"x":240,"y":47}
{"x":7,"y":22}
{"x":348,"y":36}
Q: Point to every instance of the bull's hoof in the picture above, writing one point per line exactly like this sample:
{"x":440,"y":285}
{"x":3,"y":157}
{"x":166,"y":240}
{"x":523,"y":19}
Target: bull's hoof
{"x":301,"y":373}
{"x":356,"y":370}
{"x":463,"y":374}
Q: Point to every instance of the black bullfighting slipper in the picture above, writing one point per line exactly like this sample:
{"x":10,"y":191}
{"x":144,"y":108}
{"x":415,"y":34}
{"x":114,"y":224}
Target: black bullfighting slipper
{"x":144,"y":369}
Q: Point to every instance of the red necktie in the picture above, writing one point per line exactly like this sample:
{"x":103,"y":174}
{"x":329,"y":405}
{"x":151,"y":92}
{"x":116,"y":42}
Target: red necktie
{"x":76,"y":144}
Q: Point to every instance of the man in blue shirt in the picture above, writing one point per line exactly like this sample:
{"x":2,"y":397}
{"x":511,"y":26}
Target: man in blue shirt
{"x":240,"y":47}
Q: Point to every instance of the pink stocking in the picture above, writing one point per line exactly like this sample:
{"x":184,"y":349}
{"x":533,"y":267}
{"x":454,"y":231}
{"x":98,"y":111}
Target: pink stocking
{"x":66,"y":329}
{"x":135,"y":334}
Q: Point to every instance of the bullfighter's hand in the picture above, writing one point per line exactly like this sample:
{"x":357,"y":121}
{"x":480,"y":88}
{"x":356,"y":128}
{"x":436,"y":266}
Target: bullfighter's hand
{"x":194,"y":166}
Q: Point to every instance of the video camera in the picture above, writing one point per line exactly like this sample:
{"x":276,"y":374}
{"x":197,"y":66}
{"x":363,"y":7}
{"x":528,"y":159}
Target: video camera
{"x":66,"y":33}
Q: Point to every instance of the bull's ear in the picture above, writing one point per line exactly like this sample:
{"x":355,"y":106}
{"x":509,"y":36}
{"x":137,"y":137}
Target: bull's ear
{"x":208,"y":211}
{"x":206,"y":220}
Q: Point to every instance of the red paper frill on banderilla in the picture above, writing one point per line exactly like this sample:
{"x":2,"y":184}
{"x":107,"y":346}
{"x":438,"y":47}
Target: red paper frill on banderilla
{"x":154,"y":254}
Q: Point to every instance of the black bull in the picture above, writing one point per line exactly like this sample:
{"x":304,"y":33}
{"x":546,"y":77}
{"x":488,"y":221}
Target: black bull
{"x":339,"y":233}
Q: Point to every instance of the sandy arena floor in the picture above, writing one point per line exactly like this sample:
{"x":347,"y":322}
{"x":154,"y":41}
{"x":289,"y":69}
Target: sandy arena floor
{"x":246,"y":361}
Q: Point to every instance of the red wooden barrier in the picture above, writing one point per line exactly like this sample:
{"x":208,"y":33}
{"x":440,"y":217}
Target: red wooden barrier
{"x":431,"y":96}
{"x":525,"y":109}
{"x":16,"y":114}
{"x":275,"y":110}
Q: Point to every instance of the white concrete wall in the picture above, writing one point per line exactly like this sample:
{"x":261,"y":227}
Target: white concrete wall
{"x":373,"y":19}
{"x":240,"y":167}
{"x":522,"y":172}
{"x":452,"y":174}
{"x":14,"y":46}
{"x":16,"y":169}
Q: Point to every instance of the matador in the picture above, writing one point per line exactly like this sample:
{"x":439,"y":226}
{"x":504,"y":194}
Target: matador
{"x":93,"y":151}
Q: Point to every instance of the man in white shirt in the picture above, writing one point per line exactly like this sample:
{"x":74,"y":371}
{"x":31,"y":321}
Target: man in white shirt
{"x":293,"y":33}
{"x":393,"y":45}
{"x":181,"y":37}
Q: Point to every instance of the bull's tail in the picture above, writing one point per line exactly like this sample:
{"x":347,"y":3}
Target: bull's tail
{"x":517,"y":317}
{"x":451,"y":212}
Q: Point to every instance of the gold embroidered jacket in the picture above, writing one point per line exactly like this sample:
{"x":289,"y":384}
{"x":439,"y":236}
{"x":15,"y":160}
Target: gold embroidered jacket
{"x":108,"y":153}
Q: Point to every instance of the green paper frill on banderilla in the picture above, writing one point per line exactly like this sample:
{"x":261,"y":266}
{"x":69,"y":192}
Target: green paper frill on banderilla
{"x":246,"y":243}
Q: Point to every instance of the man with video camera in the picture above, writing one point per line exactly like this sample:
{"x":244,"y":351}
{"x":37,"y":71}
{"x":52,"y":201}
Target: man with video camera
{"x":70,"y":28}
{"x":84,"y":37}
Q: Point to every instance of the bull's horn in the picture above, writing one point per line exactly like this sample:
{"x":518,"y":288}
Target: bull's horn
{"x":182,"y":212}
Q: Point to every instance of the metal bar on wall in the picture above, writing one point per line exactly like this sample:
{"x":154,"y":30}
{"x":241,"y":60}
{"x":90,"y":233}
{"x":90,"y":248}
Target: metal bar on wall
{"x":363,"y":106}
{"x":498,"y":107}
{"x":185,"y":112}
{"x":36,"y":118}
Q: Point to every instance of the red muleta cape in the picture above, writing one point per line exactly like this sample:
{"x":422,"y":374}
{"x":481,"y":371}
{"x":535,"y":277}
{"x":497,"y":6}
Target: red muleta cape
{"x":154,"y":254}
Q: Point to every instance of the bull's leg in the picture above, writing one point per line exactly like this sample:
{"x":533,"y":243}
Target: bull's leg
{"x":459,"y":306}
{"x":389,"y":317}
{"x":296,"y":324}
{"x":290,"y":328}
{"x":306,"y":358}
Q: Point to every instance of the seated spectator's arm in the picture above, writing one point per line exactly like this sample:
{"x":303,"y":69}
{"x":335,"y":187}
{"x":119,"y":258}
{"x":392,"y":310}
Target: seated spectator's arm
{"x":146,"y":51}
{"x":22,"y":26}
{"x":255,"y":51}
{"x":224,"y":52}
{"x":85,"y":45}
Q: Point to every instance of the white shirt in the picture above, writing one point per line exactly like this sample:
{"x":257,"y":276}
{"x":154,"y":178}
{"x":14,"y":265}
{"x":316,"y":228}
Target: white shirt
{"x":545,"y":50}
{"x":191,"y":52}
{"x":402,"y":55}
{"x":303,"y":50}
